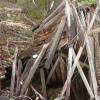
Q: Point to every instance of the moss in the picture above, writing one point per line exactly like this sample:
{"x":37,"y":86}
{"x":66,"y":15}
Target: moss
{"x":35,"y":13}
{"x":12,"y":51}
{"x":84,"y":2}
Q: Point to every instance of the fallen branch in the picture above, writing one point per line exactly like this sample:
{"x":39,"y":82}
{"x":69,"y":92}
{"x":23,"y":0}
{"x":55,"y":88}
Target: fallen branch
{"x":54,"y":45}
{"x":33,"y":69}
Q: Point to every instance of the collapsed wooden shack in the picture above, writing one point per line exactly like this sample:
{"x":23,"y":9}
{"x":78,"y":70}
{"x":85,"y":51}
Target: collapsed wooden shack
{"x":64,"y":57}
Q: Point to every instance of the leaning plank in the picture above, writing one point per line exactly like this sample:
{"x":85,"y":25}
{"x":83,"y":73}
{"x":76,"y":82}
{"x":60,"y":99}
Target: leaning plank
{"x":43,"y":82}
{"x":14,"y":72}
{"x":49,"y":23}
{"x":55,"y":12}
{"x":33,"y":69}
{"x":83,"y":77}
{"x":55,"y":43}
{"x":52,"y":70}
{"x":71,"y":72}
{"x":53,"y":20}
{"x":91,"y":64}
{"x":93,"y":18}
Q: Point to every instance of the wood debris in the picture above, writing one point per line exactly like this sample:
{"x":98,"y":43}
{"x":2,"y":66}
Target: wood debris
{"x":63,"y":55}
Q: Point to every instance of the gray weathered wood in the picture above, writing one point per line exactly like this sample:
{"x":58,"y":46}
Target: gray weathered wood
{"x":71,"y":72}
{"x":92,"y":69}
{"x":69,"y":67}
{"x":33,"y":69}
{"x":54,"y":45}
{"x":50,"y":22}
{"x":14,"y":71}
{"x":83,"y":77}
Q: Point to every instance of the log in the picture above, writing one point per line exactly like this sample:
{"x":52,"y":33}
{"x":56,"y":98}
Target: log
{"x":33,"y":69}
{"x":54,"y":45}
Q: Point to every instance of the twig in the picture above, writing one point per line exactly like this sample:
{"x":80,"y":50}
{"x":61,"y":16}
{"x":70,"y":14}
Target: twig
{"x":37,"y":93}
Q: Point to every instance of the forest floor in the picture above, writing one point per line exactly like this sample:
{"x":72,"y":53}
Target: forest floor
{"x":14,"y":32}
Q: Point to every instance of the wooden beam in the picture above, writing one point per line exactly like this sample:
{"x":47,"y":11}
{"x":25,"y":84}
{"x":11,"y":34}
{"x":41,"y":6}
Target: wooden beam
{"x":49,"y":23}
{"x":55,"y":12}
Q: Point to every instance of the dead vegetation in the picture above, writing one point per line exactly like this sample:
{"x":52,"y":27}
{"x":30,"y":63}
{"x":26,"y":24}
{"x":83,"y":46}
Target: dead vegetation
{"x":62,"y":62}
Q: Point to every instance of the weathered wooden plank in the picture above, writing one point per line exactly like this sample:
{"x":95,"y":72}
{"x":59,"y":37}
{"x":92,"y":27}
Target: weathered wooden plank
{"x":83,"y":77}
{"x":55,"y":12}
{"x":92,"y":69}
{"x":71,"y":72}
{"x":79,"y":25}
{"x":33,"y":69}
{"x":54,"y":45}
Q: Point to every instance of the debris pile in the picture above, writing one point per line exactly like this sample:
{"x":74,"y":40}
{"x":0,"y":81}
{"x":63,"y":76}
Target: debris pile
{"x":64,"y":58}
